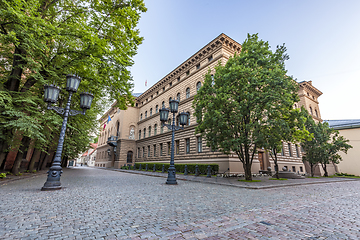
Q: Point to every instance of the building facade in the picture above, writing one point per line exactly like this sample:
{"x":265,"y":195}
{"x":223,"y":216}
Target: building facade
{"x":140,"y":137}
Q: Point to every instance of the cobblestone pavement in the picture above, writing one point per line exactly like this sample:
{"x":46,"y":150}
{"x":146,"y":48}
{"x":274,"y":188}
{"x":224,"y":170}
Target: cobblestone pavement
{"x":101,"y":204}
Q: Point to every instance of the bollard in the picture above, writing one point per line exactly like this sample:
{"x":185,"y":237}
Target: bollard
{"x":163,"y":168}
{"x":208,"y":171}
{"x":154,"y":168}
{"x":147,"y":167}
{"x":186,"y":170}
{"x":140,"y":167}
{"x":134,"y":167}
{"x":197,"y":170}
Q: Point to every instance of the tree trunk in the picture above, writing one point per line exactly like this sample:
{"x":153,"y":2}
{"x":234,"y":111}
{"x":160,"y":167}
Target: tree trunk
{"x":64,"y":161}
{"x":19,"y":157}
{"x":41,"y":160}
{"x":247,"y":169}
{"x":276,"y":165}
{"x":13,"y":82}
{"x":34,"y":157}
{"x":3,"y":152}
{"x":312,"y":169}
{"x":325,"y":170}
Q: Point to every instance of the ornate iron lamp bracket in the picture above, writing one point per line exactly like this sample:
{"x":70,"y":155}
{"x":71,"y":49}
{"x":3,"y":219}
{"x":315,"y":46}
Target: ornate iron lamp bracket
{"x":61,"y":111}
{"x":169,"y":126}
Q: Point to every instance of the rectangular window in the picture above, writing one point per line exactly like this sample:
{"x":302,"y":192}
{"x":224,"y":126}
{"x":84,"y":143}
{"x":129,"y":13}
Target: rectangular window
{"x":139,"y":154}
{"x":169,"y":147}
{"x":163,"y":89}
{"x":297,"y":151}
{"x":161,"y":149}
{"x":161,"y":129}
{"x":140,"y":134}
{"x":148,"y":151}
{"x":187,"y":143}
{"x":293,"y":169}
{"x":187,"y":73}
{"x":289,"y":146}
{"x":143,"y":152}
{"x":210,"y":58}
{"x":301,"y":169}
{"x":177,"y":143}
{"x":199,"y":144}
{"x":198,"y":66}
{"x":170,"y":84}
{"x":178,"y":79}
{"x":282,"y":151}
{"x":154,"y":150}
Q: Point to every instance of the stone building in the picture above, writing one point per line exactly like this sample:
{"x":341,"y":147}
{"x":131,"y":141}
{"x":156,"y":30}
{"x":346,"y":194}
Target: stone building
{"x":139,"y":136}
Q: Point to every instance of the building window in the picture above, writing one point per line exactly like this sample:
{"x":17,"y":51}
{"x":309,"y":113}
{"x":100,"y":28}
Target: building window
{"x":198,"y":66}
{"x":157,"y":93}
{"x":177,"y":120}
{"x":289,"y":146}
{"x":140,"y":117}
{"x":170,"y":99}
{"x":316,"y":113}
{"x":293,"y":169}
{"x":169,"y":122}
{"x":154,"y":150}
{"x":170,"y":84}
{"x":139,"y":134}
{"x":187,"y":143}
{"x":210,"y":58}
{"x":150,"y":112}
{"x":146,"y":114}
{"x":143,"y":152}
{"x":148,"y":151}
{"x":155,"y":129}
{"x":177,"y":143}
{"x":161,"y":149}
{"x":311,"y":112}
{"x":198,"y":86}
{"x":297,"y":150}
{"x":168,"y":145}
{"x":188,"y":73}
{"x":161,"y":129}
{"x":178,"y":97}
{"x":139,"y":154}
{"x":144,"y":132}
{"x":157,"y":109}
{"x":187,"y":92}
{"x":163,"y":89}
{"x":199,"y":144}
{"x":149,"y":135}
{"x":163,"y":104}
{"x":152,"y":96}
{"x":282,"y":151}
{"x":178,"y":79}
{"x":301,"y":169}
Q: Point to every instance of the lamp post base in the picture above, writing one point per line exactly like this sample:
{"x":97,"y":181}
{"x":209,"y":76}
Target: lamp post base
{"x":53,"y":180}
{"x":171,"y":180}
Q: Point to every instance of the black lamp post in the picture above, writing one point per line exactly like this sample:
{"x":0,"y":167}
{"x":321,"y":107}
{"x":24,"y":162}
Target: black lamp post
{"x":50,"y":96}
{"x":164,"y":114}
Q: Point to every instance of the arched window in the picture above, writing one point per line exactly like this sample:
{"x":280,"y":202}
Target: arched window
{"x":145,"y":114}
{"x":129,"y":157}
{"x":188,"y":118}
{"x":150,"y":112}
{"x":156,"y":108}
{"x":163,"y":104}
{"x":311,"y":112}
{"x":177,"y":120}
{"x":187,"y":92}
{"x":169,"y":122}
{"x":139,"y":134}
{"x":316,"y":113}
{"x":178,"y":97}
{"x":161,"y":128}
{"x":144,"y":132}
{"x":118,"y":129}
{"x":140,"y":117}
{"x":155,"y":129}
{"x":149,"y":132}
{"x":198,"y":86}
{"x":170,"y":99}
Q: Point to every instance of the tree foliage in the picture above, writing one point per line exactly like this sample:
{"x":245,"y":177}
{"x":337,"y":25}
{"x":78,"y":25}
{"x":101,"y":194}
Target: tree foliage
{"x":235,"y":109}
{"x":43,"y":40}
{"x":324,"y":146}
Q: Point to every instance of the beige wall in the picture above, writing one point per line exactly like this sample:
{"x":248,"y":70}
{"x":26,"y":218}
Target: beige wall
{"x":351,"y":162}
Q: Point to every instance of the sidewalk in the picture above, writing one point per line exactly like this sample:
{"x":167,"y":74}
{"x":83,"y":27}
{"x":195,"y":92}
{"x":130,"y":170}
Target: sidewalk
{"x":264,"y":183}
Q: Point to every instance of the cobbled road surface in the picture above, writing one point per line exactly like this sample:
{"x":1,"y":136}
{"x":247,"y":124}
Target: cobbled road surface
{"x":102,"y":204}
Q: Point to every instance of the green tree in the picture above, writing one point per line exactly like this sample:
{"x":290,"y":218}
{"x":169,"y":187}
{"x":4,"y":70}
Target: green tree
{"x":43,"y":40}
{"x":233,"y":109}
{"x":284,"y":125}
{"x":325,"y":145}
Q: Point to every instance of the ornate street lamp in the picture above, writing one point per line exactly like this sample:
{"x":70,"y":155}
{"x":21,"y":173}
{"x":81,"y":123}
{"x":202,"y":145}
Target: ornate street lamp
{"x":164,"y":114}
{"x":50,"y":96}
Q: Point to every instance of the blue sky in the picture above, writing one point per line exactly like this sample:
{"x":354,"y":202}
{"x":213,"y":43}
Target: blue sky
{"x":322,"y":38}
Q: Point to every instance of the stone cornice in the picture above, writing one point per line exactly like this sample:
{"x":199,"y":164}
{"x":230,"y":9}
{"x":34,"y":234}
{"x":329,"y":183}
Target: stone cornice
{"x":308,"y":86}
{"x":221,"y":41}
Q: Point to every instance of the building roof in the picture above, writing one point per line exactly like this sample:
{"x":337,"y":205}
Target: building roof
{"x":344,"y":123}
{"x":136,"y":94}
{"x":93,"y":145}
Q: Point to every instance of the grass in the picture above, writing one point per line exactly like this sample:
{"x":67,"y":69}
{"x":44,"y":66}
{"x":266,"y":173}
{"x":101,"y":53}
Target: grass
{"x":277,"y":178}
{"x":243,"y":180}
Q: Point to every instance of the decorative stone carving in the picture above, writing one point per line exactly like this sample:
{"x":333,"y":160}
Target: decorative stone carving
{"x":132,"y":133}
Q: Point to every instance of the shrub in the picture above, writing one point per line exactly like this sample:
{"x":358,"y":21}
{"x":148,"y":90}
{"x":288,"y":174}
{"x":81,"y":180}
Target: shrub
{"x":180,"y":167}
{"x":33,"y":171}
{"x":2,"y":175}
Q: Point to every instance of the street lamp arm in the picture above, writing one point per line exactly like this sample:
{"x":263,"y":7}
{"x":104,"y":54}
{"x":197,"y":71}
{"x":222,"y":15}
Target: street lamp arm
{"x":76,"y":112}
{"x":169,"y":126}
{"x":61,"y":111}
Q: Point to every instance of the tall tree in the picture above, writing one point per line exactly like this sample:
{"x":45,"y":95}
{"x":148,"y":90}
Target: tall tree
{"x":43,"y":40}
{"x":234,"y":109}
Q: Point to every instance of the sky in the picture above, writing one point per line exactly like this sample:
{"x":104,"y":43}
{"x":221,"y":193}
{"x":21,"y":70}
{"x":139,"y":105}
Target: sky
{"x":322,"y":39}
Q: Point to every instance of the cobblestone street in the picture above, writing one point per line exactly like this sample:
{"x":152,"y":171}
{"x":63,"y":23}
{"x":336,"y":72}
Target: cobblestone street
{"x":102,"y":204}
